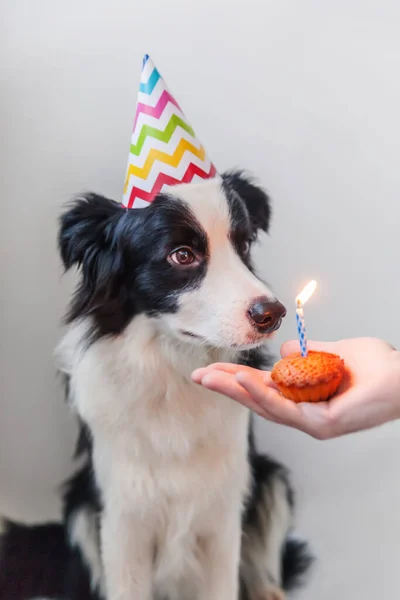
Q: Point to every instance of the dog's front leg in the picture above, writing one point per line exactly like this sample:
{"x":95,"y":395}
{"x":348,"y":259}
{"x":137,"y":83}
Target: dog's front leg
{"x":127,"y":557}
{"x":221,"y":556}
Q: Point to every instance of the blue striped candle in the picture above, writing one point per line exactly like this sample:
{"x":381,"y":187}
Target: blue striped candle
{"x":301,"y":330}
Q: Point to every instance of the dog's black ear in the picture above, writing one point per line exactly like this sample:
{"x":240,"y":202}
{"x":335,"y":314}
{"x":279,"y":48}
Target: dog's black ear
{"x":86,"y":229}
{"x":90,"y":237}
{"x":256,"y":199}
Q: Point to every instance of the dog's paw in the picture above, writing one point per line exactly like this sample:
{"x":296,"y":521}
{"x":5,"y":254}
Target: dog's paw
{"x":272,"y":593}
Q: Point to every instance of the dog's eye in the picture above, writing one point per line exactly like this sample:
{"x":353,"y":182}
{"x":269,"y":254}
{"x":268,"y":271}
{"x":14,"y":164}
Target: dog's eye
{"x":182,"y":256}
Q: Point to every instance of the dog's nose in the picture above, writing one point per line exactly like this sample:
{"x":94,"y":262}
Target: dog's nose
{"x":265,"y":314}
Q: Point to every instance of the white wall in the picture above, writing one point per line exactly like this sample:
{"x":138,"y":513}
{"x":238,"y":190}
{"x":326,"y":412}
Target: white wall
{"x":305,"y":94}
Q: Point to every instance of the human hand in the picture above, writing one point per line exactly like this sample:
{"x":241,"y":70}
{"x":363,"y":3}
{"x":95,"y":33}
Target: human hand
{"x":369,"y":394}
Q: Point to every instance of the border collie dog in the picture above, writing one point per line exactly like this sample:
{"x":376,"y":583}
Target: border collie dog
{"x":173,"y":501}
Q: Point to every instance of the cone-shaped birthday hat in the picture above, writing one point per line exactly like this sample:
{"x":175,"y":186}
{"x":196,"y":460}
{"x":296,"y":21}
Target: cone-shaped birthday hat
{"x":164,"y":148}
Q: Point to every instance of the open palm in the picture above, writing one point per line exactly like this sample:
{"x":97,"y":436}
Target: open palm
{"x":368,"y":396}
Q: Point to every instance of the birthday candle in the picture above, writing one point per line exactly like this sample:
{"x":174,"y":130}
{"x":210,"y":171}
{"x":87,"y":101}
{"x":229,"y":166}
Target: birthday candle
{"x":301,"y":299}
{"x":301,"y":331}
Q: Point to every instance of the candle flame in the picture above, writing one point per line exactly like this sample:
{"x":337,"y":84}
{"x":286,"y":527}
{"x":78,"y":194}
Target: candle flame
{"x":306,"y":293}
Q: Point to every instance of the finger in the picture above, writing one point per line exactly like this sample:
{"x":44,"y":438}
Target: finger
{"x":268,"y":381}
{"x":289,"y":348}
{"x":228,"y":368}
{"x":231,"y":368}
{"x":293,"y":346}
{"x":282,"y":410}
{"x":267,"y":397}
{"x":226,"y":384}
{"x":262,"y":394}
{"x":198,"y":375}
{"x":315,"y":419}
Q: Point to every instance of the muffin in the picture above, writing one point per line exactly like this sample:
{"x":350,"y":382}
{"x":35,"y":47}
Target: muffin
{"x":312,"y":378}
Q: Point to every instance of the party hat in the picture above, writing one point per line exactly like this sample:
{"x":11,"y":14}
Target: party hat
{"x":164,"y":148}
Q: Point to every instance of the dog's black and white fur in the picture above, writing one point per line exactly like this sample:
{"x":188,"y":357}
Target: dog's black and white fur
{"x":172,"y":502}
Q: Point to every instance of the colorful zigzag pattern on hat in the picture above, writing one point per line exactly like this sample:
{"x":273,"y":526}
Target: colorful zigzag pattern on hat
{"x":164,"y":149}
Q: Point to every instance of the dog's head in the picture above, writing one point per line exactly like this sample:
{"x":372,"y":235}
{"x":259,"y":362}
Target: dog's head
{"x":184,"y":261}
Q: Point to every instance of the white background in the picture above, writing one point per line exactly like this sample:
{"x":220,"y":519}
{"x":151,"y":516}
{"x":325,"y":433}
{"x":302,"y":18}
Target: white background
{"x":306,"y":95}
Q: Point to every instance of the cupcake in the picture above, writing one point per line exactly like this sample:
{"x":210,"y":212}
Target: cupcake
{"x":312,"y":378}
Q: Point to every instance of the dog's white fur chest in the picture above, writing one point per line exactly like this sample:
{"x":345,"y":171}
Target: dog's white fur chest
{"x":171,"y":453}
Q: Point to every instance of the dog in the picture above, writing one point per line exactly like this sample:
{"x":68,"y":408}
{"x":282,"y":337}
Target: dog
{"x":172,"y":500}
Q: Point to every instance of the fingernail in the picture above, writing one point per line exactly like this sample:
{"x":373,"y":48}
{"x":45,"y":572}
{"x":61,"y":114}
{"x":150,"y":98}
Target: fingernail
{"x":205,"y":381}
{"x":197,"y":375}
{"x":241,"y":375}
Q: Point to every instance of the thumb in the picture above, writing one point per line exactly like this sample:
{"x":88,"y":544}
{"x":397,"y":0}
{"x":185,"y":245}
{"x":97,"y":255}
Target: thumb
{"x":293,"y":346}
